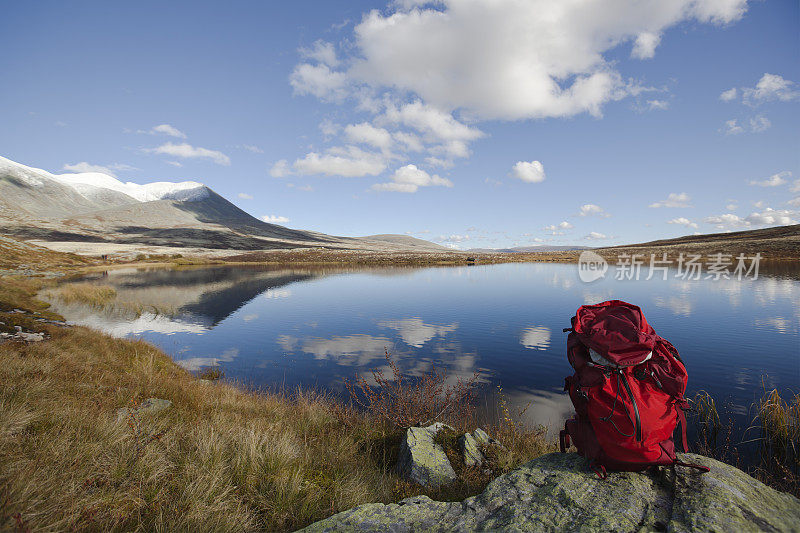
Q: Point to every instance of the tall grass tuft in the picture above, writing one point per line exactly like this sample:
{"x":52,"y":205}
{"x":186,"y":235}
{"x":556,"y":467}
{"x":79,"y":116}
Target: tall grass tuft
{"x":707,"y":419}
{"x":776,"y":459}
{"x":779,"y":424}
{"x":89,"y":294}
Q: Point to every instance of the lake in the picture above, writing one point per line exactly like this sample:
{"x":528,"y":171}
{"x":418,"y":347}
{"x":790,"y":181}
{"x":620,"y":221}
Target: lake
{"x":315,"y":326}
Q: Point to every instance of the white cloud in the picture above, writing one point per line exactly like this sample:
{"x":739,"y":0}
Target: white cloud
{"x":253,"y":148}
{"x":452,"y":241}
{"x":245,"y":196}
{"x":280,"y":169}
{"x":767,"y":217}
{"x":428,"y":73}
{"x":175,"y":163}
{"x":320,"y":81}
{"x":410,"y":141}
{"x":776,"y":180}
{"x":531,"y":172}
{"x":674,"y":200}
{"x":323,"y":52}
{"x":514,"y":59}
{"x":275,"y":219}
{"x":794,"y":202}
{"x":683,"y":221}
{"x":592,"y":210}
{"x":593,"y":236}
{"x":366,"y":133}
{"x":657,"y":105}
{"x":731,"y":207}
{"x":305,"y":188}
{"x":759,"y":123}
{"x":167,"y":129}
{"x":729,"y":95}
{"x":329,"y":128}
{"x":772,"y":217}
{"x":348,"y":162}
{"x":644,"y":47}
{"x":110,"y":170}
{"x":188,"y":151}
{"x":409,"y":179}
{"x":769,"y":88}
{"x":558,"y":229}
{"x":436,"y":125}
{"x":795,"y":186}
{"x":726,"y":221}
{"x":731,"y":127}
{"x":83,"y":166}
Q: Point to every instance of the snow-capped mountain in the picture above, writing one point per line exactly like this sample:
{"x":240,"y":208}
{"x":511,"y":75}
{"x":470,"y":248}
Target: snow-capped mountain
{"x":94,"y":211}
{"x":94,"y":185}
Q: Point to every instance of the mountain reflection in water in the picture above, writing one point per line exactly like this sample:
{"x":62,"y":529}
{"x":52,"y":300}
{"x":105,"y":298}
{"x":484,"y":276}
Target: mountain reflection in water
{"x":315,"y":326}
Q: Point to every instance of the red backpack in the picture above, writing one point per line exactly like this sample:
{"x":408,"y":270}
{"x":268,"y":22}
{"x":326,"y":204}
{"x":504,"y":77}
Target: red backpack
{"x":627,"y":390}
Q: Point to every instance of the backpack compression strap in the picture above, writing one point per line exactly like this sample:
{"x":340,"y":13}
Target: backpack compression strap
{"x":682,"y":405}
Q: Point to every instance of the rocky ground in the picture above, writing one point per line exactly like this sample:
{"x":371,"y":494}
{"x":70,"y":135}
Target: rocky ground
{"x":558,"y":492}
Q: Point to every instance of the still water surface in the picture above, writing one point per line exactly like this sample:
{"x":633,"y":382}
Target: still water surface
{"x":315,"y":326}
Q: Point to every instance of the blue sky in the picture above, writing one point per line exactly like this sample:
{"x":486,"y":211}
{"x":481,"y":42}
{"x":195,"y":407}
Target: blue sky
{"x":472,"y":124}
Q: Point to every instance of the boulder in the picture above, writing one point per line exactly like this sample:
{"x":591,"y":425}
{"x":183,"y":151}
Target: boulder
{"x":558,"y":492}
{"x":484,"y":439}
{"x":471,"y":444}
{"x":470,"y":450}
{"x":422,"y":460}
{"x":148,"y":407}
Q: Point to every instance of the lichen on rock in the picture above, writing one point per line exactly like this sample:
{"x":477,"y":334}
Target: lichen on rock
{"x":558,"y":492}
{"x":470,"y":450}
{"x":422,"y":460}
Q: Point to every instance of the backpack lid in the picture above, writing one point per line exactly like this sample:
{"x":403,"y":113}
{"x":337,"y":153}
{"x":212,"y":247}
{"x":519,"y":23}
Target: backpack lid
{"x":602,"y":361}
{"x":617,"y":331}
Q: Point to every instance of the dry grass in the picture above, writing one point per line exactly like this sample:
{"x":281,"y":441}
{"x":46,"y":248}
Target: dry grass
{"x":225,"y":460}
{"x":405,"y":401}
{"x":16,"y":254}
{"x":90,"y":294}
{"x":220,"y":459}
{"x":104,"y":297}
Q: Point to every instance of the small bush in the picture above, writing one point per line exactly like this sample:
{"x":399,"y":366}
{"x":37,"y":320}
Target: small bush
{"x":404,"y":401}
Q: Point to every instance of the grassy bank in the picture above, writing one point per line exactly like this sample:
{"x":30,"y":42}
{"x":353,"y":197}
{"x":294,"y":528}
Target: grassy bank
{"x":220,"y":458}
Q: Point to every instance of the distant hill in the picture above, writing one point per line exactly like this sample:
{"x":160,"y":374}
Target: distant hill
{"x":776,"y":242}
{"x":406,"y":240}
{"x":98,"y":213}
{"x":527,"y":249}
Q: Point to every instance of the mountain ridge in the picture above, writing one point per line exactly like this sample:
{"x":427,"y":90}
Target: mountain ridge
{"x":96,"y":208}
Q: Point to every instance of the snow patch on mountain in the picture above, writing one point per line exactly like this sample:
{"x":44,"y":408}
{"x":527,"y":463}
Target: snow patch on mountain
{"x":94,"y":185}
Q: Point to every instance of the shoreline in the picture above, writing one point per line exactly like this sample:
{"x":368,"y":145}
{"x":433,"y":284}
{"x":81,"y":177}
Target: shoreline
{"x":220,"y":457}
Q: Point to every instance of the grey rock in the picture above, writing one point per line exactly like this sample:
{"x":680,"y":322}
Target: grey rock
{"x":422,"y":460}
{"x":484,"y":439}
{"x":31,"y":337}
{"x":470,"y":450}
{"x":148,"y":407}
{"x":558,"y":492}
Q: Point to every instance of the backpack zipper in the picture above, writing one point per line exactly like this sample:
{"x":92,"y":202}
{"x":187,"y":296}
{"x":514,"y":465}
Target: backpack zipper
{"x":635,"y":407}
